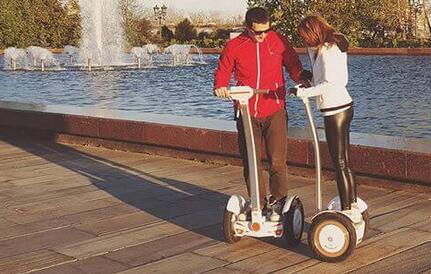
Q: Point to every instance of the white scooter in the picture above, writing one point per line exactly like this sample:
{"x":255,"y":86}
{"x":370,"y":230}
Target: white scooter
{"x":334,"y":233}
{"x":245,"y":218}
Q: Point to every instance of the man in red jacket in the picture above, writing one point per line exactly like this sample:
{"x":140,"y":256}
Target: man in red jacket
{"x":257,"y":57}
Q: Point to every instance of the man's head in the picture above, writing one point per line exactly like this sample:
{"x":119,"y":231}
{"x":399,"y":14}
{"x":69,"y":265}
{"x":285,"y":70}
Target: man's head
{"x":257,"y":21}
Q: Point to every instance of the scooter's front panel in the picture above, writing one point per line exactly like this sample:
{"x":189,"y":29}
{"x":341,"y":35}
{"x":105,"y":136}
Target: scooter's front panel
{"x":266,"y":229}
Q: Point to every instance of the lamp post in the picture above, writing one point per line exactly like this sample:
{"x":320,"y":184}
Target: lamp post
{"x":160,"y":14}
{"x":416,"y":7}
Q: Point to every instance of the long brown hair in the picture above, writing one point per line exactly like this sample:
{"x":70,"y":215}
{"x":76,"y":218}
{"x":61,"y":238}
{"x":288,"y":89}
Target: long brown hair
{"x":316,"y":31}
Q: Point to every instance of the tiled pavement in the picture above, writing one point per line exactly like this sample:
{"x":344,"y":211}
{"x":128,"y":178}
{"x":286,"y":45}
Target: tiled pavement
{"x":72,"y":209}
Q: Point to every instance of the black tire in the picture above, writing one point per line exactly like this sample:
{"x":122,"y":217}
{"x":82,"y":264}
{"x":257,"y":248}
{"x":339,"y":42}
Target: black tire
{"x":345,"y":227}
{"x":293,"y":222}
{"x":229,"y":233}
{"x":366,"y":217}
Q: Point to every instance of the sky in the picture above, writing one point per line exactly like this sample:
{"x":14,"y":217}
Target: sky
{"x":230,"y":7}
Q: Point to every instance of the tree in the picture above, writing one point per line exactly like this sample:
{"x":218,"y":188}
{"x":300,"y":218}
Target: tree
{"x":167,"y":34}
{"x":137,"y":29}
{"x":341,"y":14}
{"x":285,"y":15}
{"x":184,"y":31}
{"x":375,"y":23}
{"x":45,"y":23}
{"x":72,"y":23}
{"x":203,"y":35}
{"x":382,"y":24}
{"x":221,"y":34}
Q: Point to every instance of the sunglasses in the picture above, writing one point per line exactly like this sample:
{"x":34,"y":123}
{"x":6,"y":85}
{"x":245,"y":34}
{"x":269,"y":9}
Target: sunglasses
{"x":259,"y":32}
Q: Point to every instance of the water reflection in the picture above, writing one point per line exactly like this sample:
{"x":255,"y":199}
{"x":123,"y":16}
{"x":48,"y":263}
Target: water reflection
{"x":391,"y":93}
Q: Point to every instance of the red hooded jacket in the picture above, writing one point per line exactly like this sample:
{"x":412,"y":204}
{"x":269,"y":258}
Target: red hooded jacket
{"x":260,"y":66}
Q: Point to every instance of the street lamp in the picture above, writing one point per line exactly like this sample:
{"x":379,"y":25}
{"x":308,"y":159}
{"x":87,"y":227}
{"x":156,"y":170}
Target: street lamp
{"x":416,"y":8}
{"x":160,"y":14}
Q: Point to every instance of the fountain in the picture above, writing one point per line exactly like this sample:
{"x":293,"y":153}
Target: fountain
{"x":181,"y":54}
{"x":151,"y":50}
{"x":102,"y":32}
{"x":101,"y":46}
{"x":139,"y":53}
{"x":14,"y":56}
{"x":70,"y":52}
{"x":31,"y":58}
{"x":42,"y":56}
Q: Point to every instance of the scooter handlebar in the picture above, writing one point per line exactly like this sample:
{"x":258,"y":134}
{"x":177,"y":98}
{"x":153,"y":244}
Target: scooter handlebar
{"x":243,"y":93}
{"x":305,"y":99}
{"x":260,"y":91}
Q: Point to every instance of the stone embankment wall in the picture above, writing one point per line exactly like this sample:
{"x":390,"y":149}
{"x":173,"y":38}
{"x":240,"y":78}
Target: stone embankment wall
{"x":378,"y":156}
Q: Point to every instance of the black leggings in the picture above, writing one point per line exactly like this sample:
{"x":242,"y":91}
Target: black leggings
{"x":337,"y":130}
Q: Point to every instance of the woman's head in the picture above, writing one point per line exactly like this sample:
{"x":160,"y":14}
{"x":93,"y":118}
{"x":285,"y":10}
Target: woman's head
{"x":315,"y":31}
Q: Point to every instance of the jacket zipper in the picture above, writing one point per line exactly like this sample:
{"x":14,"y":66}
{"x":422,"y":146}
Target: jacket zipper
{"x":258,"y":78}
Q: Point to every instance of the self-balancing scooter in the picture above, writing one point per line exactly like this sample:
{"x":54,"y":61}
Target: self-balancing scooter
{"x":334,"y":233}
{"x":245,"y":218}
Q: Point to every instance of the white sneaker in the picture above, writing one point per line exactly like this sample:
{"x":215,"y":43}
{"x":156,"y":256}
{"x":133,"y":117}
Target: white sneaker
{"x":277,"y":207}
{"x":275,"y":217}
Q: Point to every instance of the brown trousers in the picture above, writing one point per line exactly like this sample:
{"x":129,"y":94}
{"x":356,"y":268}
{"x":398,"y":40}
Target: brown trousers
{"x":270,"y":131}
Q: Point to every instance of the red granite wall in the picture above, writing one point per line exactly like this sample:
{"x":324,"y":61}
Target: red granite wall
{"x":200,"y":144}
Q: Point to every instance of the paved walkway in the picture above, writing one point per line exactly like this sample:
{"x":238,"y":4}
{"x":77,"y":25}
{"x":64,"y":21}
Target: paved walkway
{"x":68,"y":209}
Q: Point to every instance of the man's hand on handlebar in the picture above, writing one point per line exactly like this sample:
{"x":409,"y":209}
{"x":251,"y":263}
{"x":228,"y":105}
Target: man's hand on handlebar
{"x":297,"y":91}
{"x":221,"y":92}
{"x":293,"y":92}
{"x":306,"y":75}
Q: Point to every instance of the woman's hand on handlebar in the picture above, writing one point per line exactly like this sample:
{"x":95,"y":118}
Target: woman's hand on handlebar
{"x":306,"y":77}
{"x":305,"y":83}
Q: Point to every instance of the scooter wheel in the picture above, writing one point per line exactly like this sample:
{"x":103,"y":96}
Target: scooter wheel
{"x":366,"y":218}
{"x":332,"y":237}
{"x":293,"y":224}
{"x":228,"y":230}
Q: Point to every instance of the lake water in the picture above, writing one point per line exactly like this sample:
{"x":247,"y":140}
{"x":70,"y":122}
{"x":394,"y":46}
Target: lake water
{"x":392,"y":94}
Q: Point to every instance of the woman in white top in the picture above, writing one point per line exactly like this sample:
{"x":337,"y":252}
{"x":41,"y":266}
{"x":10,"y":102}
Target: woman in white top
{"x":328,"y":54}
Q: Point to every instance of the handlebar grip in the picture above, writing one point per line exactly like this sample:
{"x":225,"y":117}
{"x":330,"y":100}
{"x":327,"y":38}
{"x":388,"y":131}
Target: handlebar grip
{"x":260,"y":91}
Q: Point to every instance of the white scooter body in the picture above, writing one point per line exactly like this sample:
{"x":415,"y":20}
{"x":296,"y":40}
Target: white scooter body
{"x":355,"y":216}
{"x":259,"y":225}
{"x":329,"y":238}
{"x":237,"y":205}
